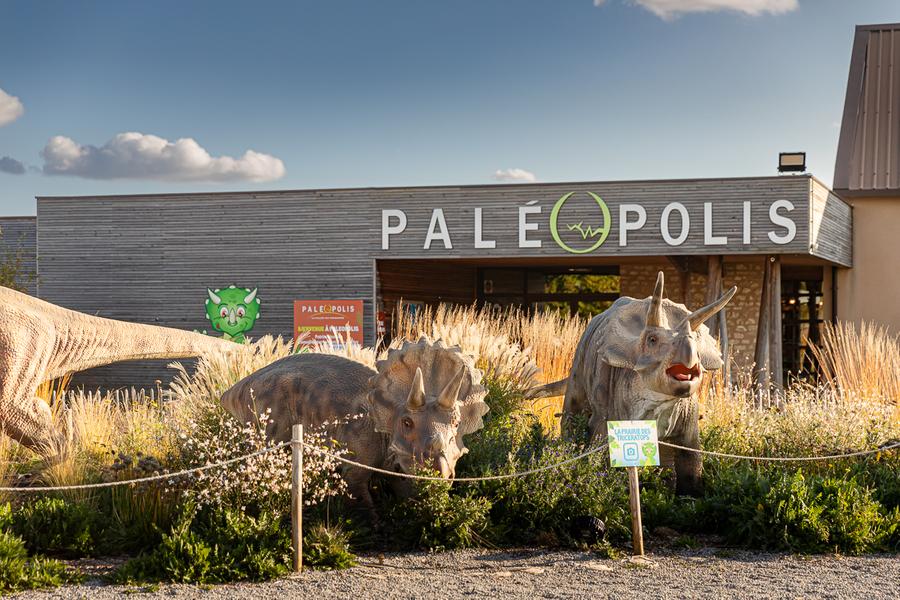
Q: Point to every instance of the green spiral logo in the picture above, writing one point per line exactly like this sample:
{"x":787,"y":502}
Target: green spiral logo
{"x":586,"y":232}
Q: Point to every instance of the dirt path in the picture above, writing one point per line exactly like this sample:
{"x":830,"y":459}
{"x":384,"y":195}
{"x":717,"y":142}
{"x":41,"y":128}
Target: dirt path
{"x":703,"y":573}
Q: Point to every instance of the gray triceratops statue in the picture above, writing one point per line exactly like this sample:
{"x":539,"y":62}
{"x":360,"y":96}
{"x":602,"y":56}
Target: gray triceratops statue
{"x":644,"y":360}
{"x":415,"y":408}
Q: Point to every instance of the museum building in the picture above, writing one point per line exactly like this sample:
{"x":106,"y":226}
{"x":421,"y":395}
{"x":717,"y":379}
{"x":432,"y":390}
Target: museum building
{"x":799,"y":252}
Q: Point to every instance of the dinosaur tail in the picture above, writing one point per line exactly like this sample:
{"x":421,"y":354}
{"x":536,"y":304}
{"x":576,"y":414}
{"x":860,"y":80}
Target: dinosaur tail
{"x":96,"y":341}
{"x":548,"y":390}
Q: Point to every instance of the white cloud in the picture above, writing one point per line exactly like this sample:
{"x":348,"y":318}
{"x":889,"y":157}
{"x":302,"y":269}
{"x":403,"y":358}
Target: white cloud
{"x":10,"y":108}
{"x":514,"y":175}
{"x":140,"y":156}
{"x":669,"y":9}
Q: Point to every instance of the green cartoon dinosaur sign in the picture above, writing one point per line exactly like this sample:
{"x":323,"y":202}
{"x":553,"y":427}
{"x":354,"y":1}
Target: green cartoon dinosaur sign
{"x":233,"y":311}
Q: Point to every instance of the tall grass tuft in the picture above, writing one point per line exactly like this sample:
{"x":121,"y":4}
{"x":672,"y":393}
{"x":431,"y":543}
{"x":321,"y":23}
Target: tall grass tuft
{"x":195,"y":396}
{"x":512,"y":346}
{"x":861,"y":363}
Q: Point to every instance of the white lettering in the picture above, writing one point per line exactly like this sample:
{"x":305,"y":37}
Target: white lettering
{"x":708,"y":238}
{"x":685,"y":224}
{"x":783,"y":221}
{"x":746,"y":222}
{"x":387,"y":230}
{"x":625,"y":225}
{"x":437,"y":230}
{"x":480,"y":242}
{"x":525,"y":226}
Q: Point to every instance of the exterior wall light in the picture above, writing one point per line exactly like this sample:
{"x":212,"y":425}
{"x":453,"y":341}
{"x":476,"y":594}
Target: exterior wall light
{"x":791,"y":162}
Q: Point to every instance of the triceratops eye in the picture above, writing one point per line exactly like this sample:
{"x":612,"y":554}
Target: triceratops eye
{"x":241,"y":312}
{"x":223,"y":312}
{"x":652,"y":340}
{"x":407,"y":422}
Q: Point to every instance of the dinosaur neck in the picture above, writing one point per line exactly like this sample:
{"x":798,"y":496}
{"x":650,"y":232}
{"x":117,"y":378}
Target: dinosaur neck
{"x":86,"y":341}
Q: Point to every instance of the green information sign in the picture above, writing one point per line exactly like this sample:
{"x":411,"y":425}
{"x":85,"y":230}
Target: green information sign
{"x":633,"y":443}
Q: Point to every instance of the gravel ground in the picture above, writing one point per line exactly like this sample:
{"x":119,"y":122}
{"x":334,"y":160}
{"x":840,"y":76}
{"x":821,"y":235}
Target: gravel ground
{"x":701,"y":573}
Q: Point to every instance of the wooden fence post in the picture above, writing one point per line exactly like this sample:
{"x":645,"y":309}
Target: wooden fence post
{"x":297,"y":496}
{"x":634,"y":501}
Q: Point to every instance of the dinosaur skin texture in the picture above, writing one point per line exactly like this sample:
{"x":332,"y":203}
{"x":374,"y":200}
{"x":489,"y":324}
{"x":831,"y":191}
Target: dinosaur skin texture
{"x":40,"y":341}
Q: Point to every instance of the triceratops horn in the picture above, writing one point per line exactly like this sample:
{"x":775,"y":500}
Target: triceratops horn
{"x":416,"y":397}
{"x":450,"y":393}
{"x":654,"y":314}
{"x":699,"y":316}
{"x":249,"y":297}
{"x":213,"y":296}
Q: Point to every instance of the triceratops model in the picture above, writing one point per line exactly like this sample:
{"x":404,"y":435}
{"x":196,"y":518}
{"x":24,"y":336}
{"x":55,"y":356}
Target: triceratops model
{"x":40,"y":341}
{"x":413,"y":410}
{"x":644,"y":360}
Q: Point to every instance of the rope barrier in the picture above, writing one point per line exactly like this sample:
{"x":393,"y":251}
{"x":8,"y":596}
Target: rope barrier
{"x":460,"y":479}
{"x":176,"y":474}
{"x":354,"y":463}
{"x":784,"y":458}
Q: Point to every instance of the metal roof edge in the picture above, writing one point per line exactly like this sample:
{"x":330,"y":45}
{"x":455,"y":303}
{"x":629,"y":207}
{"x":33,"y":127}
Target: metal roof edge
{"x":436,"y":187}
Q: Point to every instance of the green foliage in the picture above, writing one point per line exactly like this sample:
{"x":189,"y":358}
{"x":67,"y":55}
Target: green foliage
{"x":787,"y":509}
{"x":505,"y":395}
{"x":55,"y":526}
{"x":215,"y":546}
{"x":438,"y":520}
{"x":19,"y":572}
{"x":12,"y":269}
{"x":327,"y":548}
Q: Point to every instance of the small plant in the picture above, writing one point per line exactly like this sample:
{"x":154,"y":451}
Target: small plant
{"x":19,"y":572}
{"x":215,"y":546}
{"x":439,"y":520}
{"x":687,"y":542}
{"x":55,"y":526}
{"x":327,"y":548}
{"x":263,"y":481}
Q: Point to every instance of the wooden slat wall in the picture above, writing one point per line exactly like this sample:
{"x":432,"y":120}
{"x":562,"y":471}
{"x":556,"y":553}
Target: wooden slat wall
{"x":830,"y":234}
{"x":429,"y":282}
{"x":20,"y":233}
{"x":150,"y":258}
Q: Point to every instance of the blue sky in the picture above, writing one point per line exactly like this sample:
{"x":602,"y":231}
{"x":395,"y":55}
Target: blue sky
{"x":361,"y":93}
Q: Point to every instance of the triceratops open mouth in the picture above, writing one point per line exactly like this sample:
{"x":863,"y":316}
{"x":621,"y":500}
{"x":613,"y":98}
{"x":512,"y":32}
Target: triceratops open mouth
{"x":680,"y":372}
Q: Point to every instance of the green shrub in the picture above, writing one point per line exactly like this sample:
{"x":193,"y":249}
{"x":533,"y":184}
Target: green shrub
{"x":215,"y":546}
{"x":19,"y":572}
{"x":777,"y":508}
{"x":437,"y":519}
{"x":327,"y":548}
{"x":857,"y":522}
{"x":55,"y":526}
{"x":544,"y":506}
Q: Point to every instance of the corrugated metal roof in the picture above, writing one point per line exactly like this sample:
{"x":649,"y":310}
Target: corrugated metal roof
{"x":868,"y":156}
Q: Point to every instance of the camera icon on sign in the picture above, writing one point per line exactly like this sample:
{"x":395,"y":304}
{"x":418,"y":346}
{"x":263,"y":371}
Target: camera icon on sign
{"x":630,"y":451}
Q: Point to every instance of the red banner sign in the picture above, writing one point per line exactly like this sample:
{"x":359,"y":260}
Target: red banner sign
{"x":318,"y":320}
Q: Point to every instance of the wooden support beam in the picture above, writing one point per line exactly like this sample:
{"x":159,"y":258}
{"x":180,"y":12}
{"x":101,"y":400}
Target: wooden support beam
{"x":761,"y":359}
{"x":717,"y":324}
{"x":775,"y":345}
{"x":768,"y":358}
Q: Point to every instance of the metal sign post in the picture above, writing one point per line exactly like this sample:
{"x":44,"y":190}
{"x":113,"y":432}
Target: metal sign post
{"x":633,"y":444}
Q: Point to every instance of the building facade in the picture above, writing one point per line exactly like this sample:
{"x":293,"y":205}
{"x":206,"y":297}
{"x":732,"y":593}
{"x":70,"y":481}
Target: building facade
{"x":570,"y":246}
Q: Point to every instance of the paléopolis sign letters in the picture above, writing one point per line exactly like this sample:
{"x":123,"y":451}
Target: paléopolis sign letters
{"x":584,"y":228}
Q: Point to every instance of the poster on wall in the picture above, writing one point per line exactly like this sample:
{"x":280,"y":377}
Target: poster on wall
{"x":317,"y":321}
{"x":232,"y":312}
